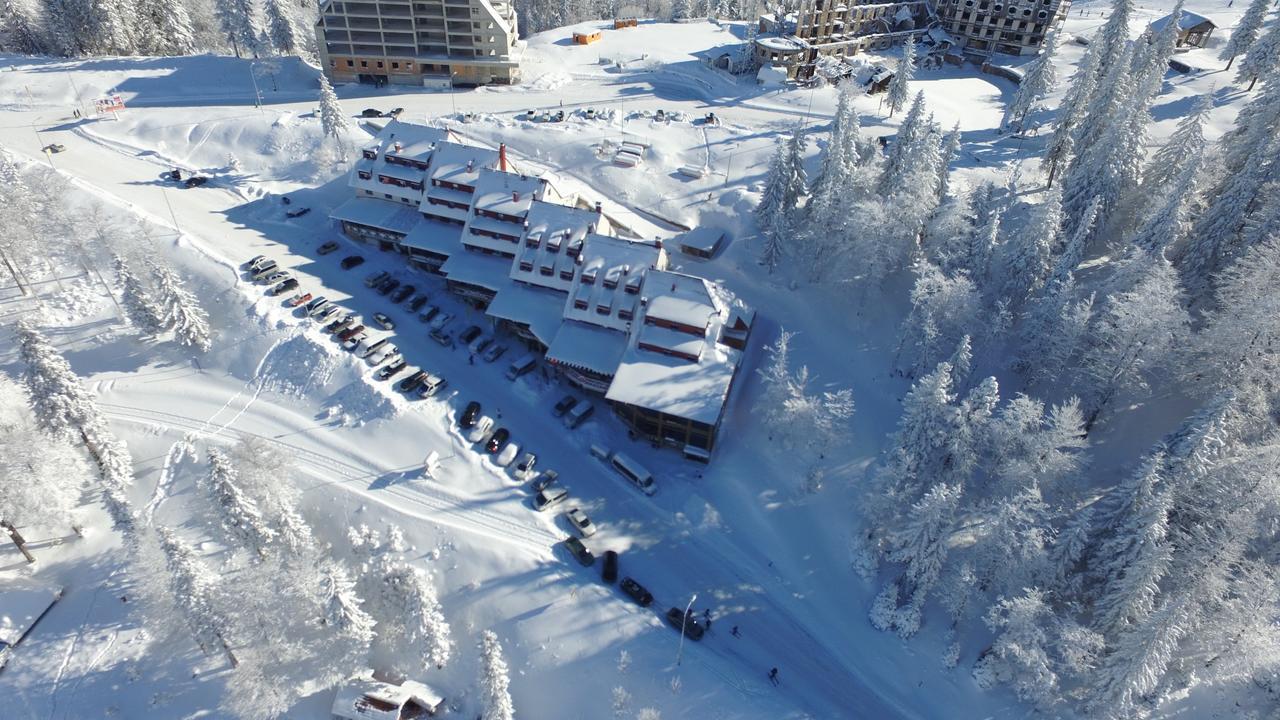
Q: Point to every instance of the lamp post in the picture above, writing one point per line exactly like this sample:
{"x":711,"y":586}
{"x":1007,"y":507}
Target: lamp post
{"x":683,"y":621}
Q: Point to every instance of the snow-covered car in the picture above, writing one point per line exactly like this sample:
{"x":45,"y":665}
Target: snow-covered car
{"x":370,"y":348}
{"x":353,"y":342}
{"x":480,"y":431}
{"x":276,"y":277}
{"x":411,"y":383}
{"x":284,"y":287}
{"x":564,"y":405}
{"x":677,"y":618}
{"x":432,"y":384}
{"x":390,"y":370}
{"x":441,"y":337}
{"x":580,"y":522}
{"x":429,"y":314}
{"x":494,"y":351}
{"x":549,"y":498}
{"x":508,"y":455}
{"x":579,"y":552}
{"x":55,"y":148}
{"x":525,"y":465}
{"x":471,"y":333}
{"x":416,"y":304}
{"x":329,"y":313}
{"x":479,"y":345}
{"x":316,"y":302}
{"x":318,"y":309}
{"x":383,"y":321}
{"x":376,"y":278}
{"x":441,"y":320}
{"x":545,"y":479}
{"x":382,"y":354}
{"x":387,"y":286}
{"x":265,"y":270}
{"x":337,"y":325}
{"x":195,"y":181}
{"x":256,"y":261}
{"x":403,"y":293}
{"x":350,"y":332}
{"x":497,"y":441}
{"x":636,"y":591}
{"x":327,"y":248}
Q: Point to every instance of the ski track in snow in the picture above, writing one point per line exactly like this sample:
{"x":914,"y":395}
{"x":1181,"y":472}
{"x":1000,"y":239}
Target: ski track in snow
{"x":438,"y":505}
{"x":71,"y":646}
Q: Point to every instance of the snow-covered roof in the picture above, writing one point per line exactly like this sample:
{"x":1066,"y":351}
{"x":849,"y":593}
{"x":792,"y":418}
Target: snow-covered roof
{"x":378,"y":213}
{"x":487,"y":271}
{"x":373,"y":700}
{"x":436,"y":236}
{"x":904,"y":13}
{"x":679,"y":298}
{"x":587,"y":347}
{"x":416,"y":142}
{"x":538,"y":308}
{"x":21,"y":605}
{"x":506,"y":193}
{"x":403,"y":140}
{"x":1188,"y":21}
{"x":675,"y":386}
{"x":461,"y":164}
{"x":605,"y":288}
{"x":780,"y":44}
{"x":553,"y":230}
{"x":703,"y":238}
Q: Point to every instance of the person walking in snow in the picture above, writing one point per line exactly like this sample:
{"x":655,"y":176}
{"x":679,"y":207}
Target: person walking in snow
{"x":734,"y":632}
{"x":773,"y":676}
{"x":706,"y":617}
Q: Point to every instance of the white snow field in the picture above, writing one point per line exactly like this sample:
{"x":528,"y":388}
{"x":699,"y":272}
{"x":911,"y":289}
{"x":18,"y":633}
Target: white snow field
{"x":742,"y":534}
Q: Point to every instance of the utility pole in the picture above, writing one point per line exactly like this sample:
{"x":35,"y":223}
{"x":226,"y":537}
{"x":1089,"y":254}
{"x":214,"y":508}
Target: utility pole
{"x":683,"y":621}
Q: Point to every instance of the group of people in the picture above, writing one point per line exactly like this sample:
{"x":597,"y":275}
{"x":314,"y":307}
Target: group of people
{"x":706,"y":619}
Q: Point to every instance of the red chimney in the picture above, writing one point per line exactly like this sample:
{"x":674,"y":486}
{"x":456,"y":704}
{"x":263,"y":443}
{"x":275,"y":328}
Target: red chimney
{"x":502,"y":157}
{"x":515,"y":196}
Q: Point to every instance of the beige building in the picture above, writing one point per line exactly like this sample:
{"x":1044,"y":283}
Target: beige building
{"x":1011,"y":27}
{"x":420,"y":42}
{"x":837,"y":28}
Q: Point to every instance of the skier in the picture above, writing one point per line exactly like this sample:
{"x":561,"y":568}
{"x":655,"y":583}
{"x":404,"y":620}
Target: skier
{"x":773,"y":676}
{"x":706,"y":617}
{"x":734,"y":631}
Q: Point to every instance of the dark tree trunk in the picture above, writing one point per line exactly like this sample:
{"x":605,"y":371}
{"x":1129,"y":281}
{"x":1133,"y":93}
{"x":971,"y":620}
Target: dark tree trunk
{"x":18,"y":541}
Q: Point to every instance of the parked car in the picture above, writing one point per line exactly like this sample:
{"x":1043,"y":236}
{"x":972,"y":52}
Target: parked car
{"x":340,"y":324}
{"x":494,"y":351}
{"x":373,"y":347}
{"x":350,"y":332}
{"x":471,"y":333}
{"x":549,"y":498}
{"x":480,"y":431}
{"x":284,"y":287}
{"x":412,"y":382}
{"x":195,"y":181}
{"x":276,"y":277}
{"x":383,"y":321}
{"x":327,"y":248}
{"x":522,"y":365}
{"x":416,"y":304}
{"x":525,"y":466}
{"x":315,"y":302}
{"x":390,"y":370}
{"x":263,"y":270}
{"x":395,"y":113}
{"x":55,"y":148}
{"x":432,"y":384}
{"x":354,"y":341}
{"x":441,"y":337}
{"x":297,"y":212}
{"x":564,"y":405}
{"x":498,"y":440}
{"x":579,"y":551}
{"x":636,"y":591}
{"x":589,"y":113}
{"x":545,"y":479}
{"x":375,"y":278}
{"x":429,"y":313}
{"x":382,"y":354}
{"x":559,"y":116}
{"x":441,"y":320}
{"x":386,"y":286}
{"x":479,"y":344}
{"x":634,"y":473}
{"x":610,"y":572}
{"x":371,"y":113}
{"x":469,"y":415}
{"x":403,"y":293}
{"x":578,"y":413}
{"x":328,"y":314}
{"x":318,"y":309}
{"x":580,"y":522}
{"x":256,"y":261}
{"x":688,"y":623}
{"x":507,"y":455}
{"x":351,"y":261}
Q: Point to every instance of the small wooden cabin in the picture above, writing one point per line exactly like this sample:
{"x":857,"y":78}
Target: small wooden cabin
{"x":369,"y":699}
{"x":586,"y":38}
{"x":1193,"y":29}
{"x":623,"y":23}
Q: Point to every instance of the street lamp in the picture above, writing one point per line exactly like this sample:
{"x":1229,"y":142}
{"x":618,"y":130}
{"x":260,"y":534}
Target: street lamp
{"x":683,"y":621}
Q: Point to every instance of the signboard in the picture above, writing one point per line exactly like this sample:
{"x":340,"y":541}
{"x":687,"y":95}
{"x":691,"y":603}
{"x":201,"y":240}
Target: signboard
{"x":110,"y":103}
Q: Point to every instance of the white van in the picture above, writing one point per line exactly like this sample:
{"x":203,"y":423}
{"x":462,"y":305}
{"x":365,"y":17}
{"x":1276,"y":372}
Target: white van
{"x":521,"y":366}
{"x":432,"y":385}
{"x":635,"y":473}
{"x":580,"y":412}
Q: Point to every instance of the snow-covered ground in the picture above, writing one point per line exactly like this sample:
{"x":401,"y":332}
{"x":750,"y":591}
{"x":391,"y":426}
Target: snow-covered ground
{"x":758,"y":551}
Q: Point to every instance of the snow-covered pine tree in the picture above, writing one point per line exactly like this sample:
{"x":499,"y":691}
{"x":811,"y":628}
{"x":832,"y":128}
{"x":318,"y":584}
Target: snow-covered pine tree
{"x":63,"y":407}
{"x":139,"y":307}
{"x":40,"y":476}
{"x":342,"y":612}
{"x":1039,"y":79}
{"x":1023,"y":646}
{"x":943,"y":310}
{"x":1028,"y":255}
{"x":921,"y":543}
{"x":1133,"y":334}
{"x":238,"y":20}
{"x":1236,"y":347}
{"x":409,"y":613}
{"x":281,"y":33}
{"x":333,"y":122}
{"x":1185,"y":145}
{"x":1168,"y":224}
{"x":840,"y":157}
{"x":947,"y":152}
{"x":495,"y":681}
{"x":173,"y":26}
{"x":266,"y":476}
{"x":914,"y":127}
{"x":775,"y":376}
{"x":180,"y":310}
{"x":1071,"y":112}
{"x":784,"y":186}
{"x":1263,"y":58}
{"x":237,"y":513}
{"x":19,"y":29}
{"x":681,"y":10}
{"x":920,"y":447}
{"x":1054,"y":331}
{"x":1245,"y":33}
{"x":194,"y":589}
{"x":1253,"y":129}
{"x":900,"y":85}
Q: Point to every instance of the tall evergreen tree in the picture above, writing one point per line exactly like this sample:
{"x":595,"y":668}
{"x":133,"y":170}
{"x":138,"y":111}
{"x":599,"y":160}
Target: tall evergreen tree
{"x":900,"y":85}
{"x":1245,"y":33}
{"x":494,"y":680}
{"x":180,"y":310}
{"x":1168,"y":224}
{"x":1039,"y":79}
{"x":784,"y":186}
{"x":19,"y":29}
{"x":238,"y":20}
{"x":1071,"y":112}
{"x":238,"y":514}
{"x":194,"y":589}
{"x":1185,"y":145}
{"x":333,"y":121}
{"x":140,"y":308}
{"x":1263,"y":58}
{"x":281,"y":33}
{"x":170,"y":27}
{"x":1028,"y":254}
{"x":914,"y":127}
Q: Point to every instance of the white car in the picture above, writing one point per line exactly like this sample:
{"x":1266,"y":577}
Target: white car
{"x":276,"y":277}
{"x":320,"y":308}
{"x":550,"y":497}
{"x":479,"y":344}
{"x":382,"y":354}
{"x":441,"y":320}
{"x":508,"y":455}
{"x":525,"y":466}
{"x":354,"y":341}
{"x":265,"y":270}
{"x":581,"y":522}
{"x":329,"y":313}
{"x":481,"y":430}
{"x":371,"y":347}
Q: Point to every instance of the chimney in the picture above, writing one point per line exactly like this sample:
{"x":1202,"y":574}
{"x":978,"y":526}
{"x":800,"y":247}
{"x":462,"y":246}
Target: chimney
{"x":502,"y":157}
{"x":591,"y":228}
{"x":526,"y":224}
{"x":471,"y":165}
{"x":515,"y":196}
{"x":397,"y":146}
{"x":599,"y":207}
